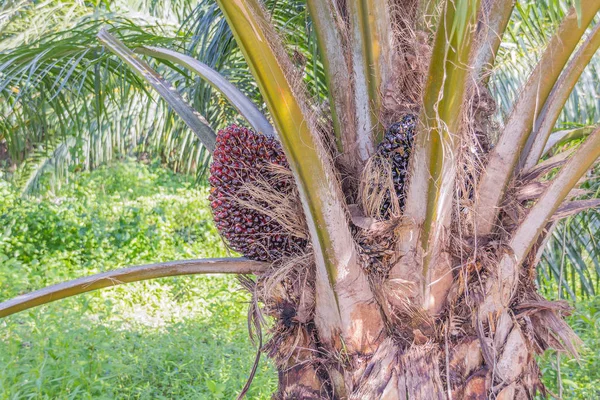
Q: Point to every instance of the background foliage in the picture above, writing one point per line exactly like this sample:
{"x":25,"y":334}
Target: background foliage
{"x":169,"y":338}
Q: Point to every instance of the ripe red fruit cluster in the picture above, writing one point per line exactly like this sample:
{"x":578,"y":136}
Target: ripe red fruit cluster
{"x":243,"y":156}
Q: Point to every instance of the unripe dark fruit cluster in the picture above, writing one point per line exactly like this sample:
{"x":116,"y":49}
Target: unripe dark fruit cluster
{"x":396,"y":146}
{"x":243,"y":156}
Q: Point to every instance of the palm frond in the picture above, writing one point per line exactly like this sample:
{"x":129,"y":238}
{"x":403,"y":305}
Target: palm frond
{"x":433,"y":164}
{"x":525,"y":39}
{"x":541,"y":212}
{"x":242,"y":103}
{"x":196,"y":122}
{"x":50,"y":157}
{"x":332,"y":37}
{"x":60,"y":82}
{"x":575,"y":250}
{"x":334,"y":251}
{"x":128,"y":275}
{"x":563,"y":88}
{"x":371,"y":42}
{"x":503,"y":159}
{"x":66,"y":85}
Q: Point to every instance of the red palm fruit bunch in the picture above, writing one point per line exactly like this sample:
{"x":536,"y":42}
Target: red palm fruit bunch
{"x":244,"y":157}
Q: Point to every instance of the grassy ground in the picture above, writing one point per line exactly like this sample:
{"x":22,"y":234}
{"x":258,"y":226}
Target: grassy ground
{"x":176,"y":338}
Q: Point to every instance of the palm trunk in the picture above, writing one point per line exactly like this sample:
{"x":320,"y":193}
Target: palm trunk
{"x":461,"y":353}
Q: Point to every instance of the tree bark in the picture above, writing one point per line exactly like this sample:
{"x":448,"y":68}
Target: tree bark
{"x":465,"y":352}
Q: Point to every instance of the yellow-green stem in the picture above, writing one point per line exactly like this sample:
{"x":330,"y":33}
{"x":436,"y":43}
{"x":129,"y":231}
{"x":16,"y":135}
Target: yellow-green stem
{"x":430,"y":192}
{"x":128,"y":275}
{"x":502,"y":161}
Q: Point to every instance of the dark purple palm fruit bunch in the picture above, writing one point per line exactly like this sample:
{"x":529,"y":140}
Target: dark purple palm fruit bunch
{"x":396,"y":146}
{"x":243,"y":156}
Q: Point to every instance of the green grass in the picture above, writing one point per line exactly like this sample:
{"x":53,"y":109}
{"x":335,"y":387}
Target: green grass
{"x":173,"y":338}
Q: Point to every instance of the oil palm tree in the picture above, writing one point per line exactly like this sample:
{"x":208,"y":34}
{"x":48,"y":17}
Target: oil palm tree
{"x":418,"y":282}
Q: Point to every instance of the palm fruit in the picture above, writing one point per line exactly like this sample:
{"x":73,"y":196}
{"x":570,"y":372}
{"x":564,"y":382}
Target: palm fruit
{"x":396,"y":147}
{"x":243,"y":156}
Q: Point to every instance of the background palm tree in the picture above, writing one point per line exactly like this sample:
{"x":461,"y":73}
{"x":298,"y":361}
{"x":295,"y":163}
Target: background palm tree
{"x":454,"y":296}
